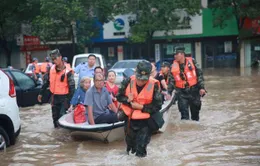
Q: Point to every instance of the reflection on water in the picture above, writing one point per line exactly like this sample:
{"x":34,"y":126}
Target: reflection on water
{"x":227,"y":134}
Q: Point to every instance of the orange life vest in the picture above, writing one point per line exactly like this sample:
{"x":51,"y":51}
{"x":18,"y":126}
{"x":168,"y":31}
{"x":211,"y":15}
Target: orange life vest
{"x":189,"y":73}
{"x":37,"y":68}
{"x":44,"y":66}
{"x":144,"y":97}
{"x":57,"y":86}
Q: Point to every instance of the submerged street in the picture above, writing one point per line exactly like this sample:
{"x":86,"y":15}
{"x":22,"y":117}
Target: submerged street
{"x":228,"y":132}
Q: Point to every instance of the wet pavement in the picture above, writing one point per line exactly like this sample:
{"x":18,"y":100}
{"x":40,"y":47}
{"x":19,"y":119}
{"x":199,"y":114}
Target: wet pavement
{"x":228,"y":133}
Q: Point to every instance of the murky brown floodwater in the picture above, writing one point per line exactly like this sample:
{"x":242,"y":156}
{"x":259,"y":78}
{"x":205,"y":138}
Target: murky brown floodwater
{"x":227,"y":134}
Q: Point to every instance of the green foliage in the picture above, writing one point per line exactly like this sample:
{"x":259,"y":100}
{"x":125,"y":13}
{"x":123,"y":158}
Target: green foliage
{"x":153,"y":15}
{"x":12,"y":14}
{"x":58,"y":18}
{"x":224,"y":10}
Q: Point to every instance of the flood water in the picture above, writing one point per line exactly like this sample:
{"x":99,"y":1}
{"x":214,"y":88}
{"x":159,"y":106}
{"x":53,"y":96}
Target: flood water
{"x":228,"y":132}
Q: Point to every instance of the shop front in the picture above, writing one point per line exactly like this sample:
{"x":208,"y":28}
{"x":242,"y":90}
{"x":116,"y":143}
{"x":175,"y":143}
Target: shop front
{"x":250,"y":35}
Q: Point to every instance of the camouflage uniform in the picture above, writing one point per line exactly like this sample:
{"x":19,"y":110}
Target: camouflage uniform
{"x":60,"y":103}
{"x":189,"y":96}
{"x":138,"y":132}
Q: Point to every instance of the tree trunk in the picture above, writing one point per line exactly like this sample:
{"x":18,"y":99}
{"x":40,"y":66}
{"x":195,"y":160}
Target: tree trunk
{"x":7,"y":51}
{"x":73,"y":40}
{"x":149,"y":46}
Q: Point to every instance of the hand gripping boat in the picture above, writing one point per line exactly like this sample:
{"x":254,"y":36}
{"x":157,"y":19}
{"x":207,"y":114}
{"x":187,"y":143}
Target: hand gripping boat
{"x":107,"y":132}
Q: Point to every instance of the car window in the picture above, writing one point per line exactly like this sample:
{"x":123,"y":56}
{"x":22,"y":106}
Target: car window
{"x":23,"y":80}
{"x":125,"y":65}
{"x":85,"y":59}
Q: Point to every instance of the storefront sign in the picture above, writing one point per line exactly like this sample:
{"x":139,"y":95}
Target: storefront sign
{"x":97,"y":50}
{"x":31,"y":40}
{"x":157,"y":53}
{"x":257,"y":48}
{"x":252,"y":25}
{"x":117,"y":29}
{"x":111,"y":52}
{"x":170,"y":49}
{"x":120,"y":54}
{"x":228,"y":46}
{"x":189,"y":25}
{"x":34,"y":48}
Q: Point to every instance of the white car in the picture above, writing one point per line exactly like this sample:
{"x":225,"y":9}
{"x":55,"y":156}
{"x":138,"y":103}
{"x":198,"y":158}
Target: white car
{"x":120,"y":66}
{"x":29,"y":69}
{"x":10,"y":123}
{"x":77,"y":59}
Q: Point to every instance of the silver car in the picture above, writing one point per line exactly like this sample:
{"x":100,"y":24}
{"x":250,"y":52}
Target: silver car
{"x":120,"y":66}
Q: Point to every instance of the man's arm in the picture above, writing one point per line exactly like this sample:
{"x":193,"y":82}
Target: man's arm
{"x":77,"y":69}
{"x":46,"y":84}
{"x":156,"y":104}
{"x":89,"y":103}
{"x":121,"y":92}
{"x":71,"y":84}
{"x":90,"y":115}
{"x":171,"y":83}
{"x":199,"y":73}
{"x":111,"y":105}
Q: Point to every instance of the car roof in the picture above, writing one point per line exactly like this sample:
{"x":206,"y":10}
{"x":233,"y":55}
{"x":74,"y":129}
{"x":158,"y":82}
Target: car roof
{"x":87,"y":54}
{"x":131,"y":60}
{"x":6,"y":69}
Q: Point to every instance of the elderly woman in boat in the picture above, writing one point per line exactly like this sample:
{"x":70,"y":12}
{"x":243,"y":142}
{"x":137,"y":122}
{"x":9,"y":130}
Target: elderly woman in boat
{"x":80,"y":93}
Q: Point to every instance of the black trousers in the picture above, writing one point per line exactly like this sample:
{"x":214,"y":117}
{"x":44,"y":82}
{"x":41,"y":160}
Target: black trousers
{"x":138,"y":136}
{"x":189,"y":100}
{"x":59,"y":105}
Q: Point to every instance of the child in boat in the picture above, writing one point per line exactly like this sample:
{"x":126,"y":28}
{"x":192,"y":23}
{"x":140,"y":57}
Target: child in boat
{"x":112,"y":88}
{"x":79,"y":95}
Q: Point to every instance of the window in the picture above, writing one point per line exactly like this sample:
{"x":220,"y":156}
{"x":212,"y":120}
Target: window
{"x":125,"y":64}
{"x":23,"y":80}
{"x":85,"y":59}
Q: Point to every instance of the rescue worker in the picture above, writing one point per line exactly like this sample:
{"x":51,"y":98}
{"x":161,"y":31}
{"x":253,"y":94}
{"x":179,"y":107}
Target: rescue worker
{"x":189,"y":84}
{"x":46,"y":66}
{"x":62,"y":86}
{"x":141,"y":101}
{"x":65,"y":60}
{"x":167,"y":82}
{"x":36,"y":69}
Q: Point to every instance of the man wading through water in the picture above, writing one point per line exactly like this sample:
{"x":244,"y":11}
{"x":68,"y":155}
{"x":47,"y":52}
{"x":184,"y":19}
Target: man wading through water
{"x":141,"y":101}
{"x":62,"y":86}
{"x":188,"y":83}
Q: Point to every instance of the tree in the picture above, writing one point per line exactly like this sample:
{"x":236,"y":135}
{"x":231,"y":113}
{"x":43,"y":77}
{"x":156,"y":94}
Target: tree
{"x":12,"y":14}
{"x":152,"y":15}
{"x":69,"y":16}
{"x":224,"y":10}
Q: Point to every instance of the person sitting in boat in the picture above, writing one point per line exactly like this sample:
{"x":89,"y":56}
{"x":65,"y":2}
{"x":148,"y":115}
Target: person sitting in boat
{"x":111,"y":86}
{"x":100,"y":108}
{"x":141,"y":102}
{"x":80,"y":93}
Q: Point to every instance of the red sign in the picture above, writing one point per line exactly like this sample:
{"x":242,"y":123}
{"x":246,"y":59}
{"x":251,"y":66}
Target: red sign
{"x":252,"y":25}
{"x":31,"y":40}
{"x":34,"y":48}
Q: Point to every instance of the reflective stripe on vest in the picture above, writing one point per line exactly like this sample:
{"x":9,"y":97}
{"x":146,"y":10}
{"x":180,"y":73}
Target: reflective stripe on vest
{"x":190,"y":75}
{"x":57,"y":86}
{"x":144,"y":97}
